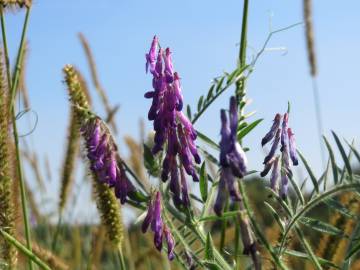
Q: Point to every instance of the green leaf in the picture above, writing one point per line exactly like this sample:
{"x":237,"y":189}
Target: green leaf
{"x":310,"y":172}
{"x":275,"y":215}
{"x":356,"y":153}
{"x":354,"y":251}
{"x":211,"y":265}
{"x":24,"y":250}
{"x":231,"y":76}
{"x":200,"y":102}
{"x":302,"y":255}
{"x":225,"y":215}
{"x":203,"y":183}
{"x":149,"y":162}
{"x":188,"y":112}
{"x":207,"y":140}
{"x":336,"y":205}
{"x":343,"y":155}
{"x":333,"y":162}
{"x":209,"y":248}
{"x":219,"y":84}
{"x":321,"y":226}
{"x":242,"y":133}
{"x":211,"y":92}
{"x":137,"y":196}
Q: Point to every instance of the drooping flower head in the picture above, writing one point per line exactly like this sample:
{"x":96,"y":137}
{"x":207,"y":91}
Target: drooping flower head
{"x":232,"y":157}
{"x":285,"y":137}
{"x":104,"y":163}
{"x":173,"y":131}
{"x":154,"y":220}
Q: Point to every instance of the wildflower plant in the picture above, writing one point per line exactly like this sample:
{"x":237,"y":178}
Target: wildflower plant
{"x":214,"y":223}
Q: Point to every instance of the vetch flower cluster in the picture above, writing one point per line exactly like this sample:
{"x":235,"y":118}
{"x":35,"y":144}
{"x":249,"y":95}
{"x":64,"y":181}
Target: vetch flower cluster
{"x":104,"y":162}
{"x":232,"y":157}
{"x":154,"y":220}
{"x":172,"y":128}
{"x":280,"y":135}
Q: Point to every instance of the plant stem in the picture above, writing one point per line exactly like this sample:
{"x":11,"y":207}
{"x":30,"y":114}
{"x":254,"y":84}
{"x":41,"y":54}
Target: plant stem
{"x":240,"y":85}
{"x":20,"y":55}
{"x":13,"y":86}
{"x":121,"y":257}
{"x":24,"y":250}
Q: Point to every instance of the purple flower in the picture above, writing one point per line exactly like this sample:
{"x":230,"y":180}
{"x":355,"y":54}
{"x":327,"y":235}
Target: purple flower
{"x":160,"y":230}
{"x":274,"y":146}
{"x":170,"y":124}
{"x":285,"y":136}
{"x":284,"y":131}
{"x":232,"y":157}
{"x":101,"y":151}
{"x":292,"y":147}
{"x":170,"y":243}
{"x":270,"y":135}
{"x":231,"y":153}
{"x":274,"y":174}
{"x":151,"y":56}
{"x":148,"y":218}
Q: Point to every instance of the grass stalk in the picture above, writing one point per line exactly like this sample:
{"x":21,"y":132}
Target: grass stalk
{"x":13,"y":87}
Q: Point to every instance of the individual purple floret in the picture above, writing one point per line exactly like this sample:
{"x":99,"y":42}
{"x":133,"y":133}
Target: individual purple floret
{"x":274,"y":174}
{"x":173,"y":131}
{"x":270,"y":135}
{"x":157,"y":223}
{"x":285,"y":137}
{"x":232,"y":157}
{"x":101,"y":151}
{"x":151,"y":56}
{"x":170,"y":243}
{"x":292,"y":147}
{"x":153,"y":218}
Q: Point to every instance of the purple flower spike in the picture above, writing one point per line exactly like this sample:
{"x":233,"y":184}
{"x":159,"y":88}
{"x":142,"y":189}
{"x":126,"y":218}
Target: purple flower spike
{"x":232,"y":157}
{"x":292,"y":147}
{"x":104,"y":163}
{"x":270,"y":135}
{"x":274,"y":174}
{"x":284,"y":135}
{"x":151,"y":56}
{"x":170,"y":243}
{"x":173,"y":131}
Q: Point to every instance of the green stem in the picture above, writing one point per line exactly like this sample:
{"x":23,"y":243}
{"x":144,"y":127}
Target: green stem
{"x":121,"y":257}
{"x":24,"y":250}
{"x":20,"y":55}
{"x":240,"y":85}
{"x":13,"y":87}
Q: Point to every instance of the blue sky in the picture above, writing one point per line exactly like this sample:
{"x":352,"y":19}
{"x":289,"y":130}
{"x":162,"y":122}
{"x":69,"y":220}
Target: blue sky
{"x":203,"y":36}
